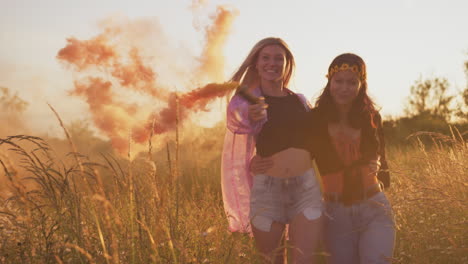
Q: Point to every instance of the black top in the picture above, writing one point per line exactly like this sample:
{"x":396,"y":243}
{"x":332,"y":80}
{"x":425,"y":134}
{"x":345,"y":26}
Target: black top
{"x":320,"y":145}
{"x":282,"y":130}
{"x":290,"y":124}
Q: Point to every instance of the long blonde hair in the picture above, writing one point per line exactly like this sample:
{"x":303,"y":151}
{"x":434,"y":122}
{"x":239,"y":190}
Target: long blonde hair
{"x":247,"y":73}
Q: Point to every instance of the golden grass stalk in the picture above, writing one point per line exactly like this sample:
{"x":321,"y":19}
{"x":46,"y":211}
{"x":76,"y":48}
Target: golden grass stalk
{"x":57,"y":258}
{"x":101,"y":237}
{"x":70,"y":141}
{"x":151,"y":238}
{"x":171,"y":244}
{"x":81,"y":251}
{"x":107,"y":205}
{"x":131,"y":200}
{"x":80,"y":165}
{"x":150,"y":160}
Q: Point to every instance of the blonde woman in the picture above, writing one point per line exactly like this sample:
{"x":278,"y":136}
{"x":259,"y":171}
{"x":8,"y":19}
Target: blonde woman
{"x":288,"y":193}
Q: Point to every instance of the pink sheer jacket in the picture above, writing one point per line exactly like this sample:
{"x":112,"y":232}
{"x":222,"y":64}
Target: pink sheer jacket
{"x":238,"y":150}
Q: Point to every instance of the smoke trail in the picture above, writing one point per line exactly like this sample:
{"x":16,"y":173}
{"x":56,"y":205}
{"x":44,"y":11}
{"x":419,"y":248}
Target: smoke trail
{"x":182,"y":105}
{"x":113,"y":66}
{"x":99,"y":54}
{"x":88,"y":53}
{"x":199,"y":98}
{"x":106,"y":68}
{"x":114,"y":118}
{"x":212,"y":59}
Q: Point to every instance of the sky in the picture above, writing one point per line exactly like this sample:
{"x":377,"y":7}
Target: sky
{"x":401,"y":41}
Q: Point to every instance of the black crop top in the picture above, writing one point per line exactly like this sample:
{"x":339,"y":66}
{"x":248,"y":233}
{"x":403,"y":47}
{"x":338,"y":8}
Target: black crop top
{"x":281,"y":131}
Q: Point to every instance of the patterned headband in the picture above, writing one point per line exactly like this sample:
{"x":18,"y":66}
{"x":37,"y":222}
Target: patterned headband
{"x":343,"y":67}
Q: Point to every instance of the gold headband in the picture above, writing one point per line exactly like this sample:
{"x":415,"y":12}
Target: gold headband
{"x":343,"y":67}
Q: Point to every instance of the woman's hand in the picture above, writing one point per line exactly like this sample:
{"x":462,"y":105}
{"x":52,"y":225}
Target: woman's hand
{"x":374,"y":165}
{"x":259,"y":165}
{"x":258,"y":112}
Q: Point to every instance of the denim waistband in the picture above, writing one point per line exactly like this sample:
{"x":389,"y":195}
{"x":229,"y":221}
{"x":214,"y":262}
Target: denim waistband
{"x":369,"y":192}
{"x":296,"y":180}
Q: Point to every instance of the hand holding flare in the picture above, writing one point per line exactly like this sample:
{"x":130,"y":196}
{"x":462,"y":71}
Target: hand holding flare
{"x":257,"y":107}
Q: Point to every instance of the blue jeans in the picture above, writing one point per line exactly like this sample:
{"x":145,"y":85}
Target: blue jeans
{"x":361,"y":233}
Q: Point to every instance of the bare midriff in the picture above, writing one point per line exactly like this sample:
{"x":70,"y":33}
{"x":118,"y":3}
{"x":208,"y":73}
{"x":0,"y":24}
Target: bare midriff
{"x":348,"y":150}
{"x":289,"y":163}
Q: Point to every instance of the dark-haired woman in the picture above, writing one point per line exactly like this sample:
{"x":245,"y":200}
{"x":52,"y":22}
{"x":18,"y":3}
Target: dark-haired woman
{"x":348,"y":145}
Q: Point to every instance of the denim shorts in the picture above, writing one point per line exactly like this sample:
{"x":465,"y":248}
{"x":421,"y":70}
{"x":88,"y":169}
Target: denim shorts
{"x":281,"y":199}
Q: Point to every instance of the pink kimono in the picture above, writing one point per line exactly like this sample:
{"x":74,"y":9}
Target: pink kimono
{"x":238,"y":150}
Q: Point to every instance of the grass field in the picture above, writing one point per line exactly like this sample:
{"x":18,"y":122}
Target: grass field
{"x":165,"y":206}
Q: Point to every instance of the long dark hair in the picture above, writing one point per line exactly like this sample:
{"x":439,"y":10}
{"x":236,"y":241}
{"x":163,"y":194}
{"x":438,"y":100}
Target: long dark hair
{"x":363,"y":108}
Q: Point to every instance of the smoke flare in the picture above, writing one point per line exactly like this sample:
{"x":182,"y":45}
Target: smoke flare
{"x":112,"y":71}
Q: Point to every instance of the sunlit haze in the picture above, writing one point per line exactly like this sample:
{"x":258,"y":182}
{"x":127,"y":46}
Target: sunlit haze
{"x":401,"y":41}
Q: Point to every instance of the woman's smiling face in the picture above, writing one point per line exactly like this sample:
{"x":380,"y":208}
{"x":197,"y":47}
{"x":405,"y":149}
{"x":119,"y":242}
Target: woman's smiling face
{"x":344,"y":87}
{"x":271,"y":63}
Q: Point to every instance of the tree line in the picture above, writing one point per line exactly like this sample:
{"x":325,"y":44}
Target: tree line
{"x":431,"y":107}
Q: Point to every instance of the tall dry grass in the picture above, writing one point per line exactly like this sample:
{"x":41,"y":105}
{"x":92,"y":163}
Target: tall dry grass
{"x":148,"y":208}
{"x":115,"y":209}
{"x":430,"y":198}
